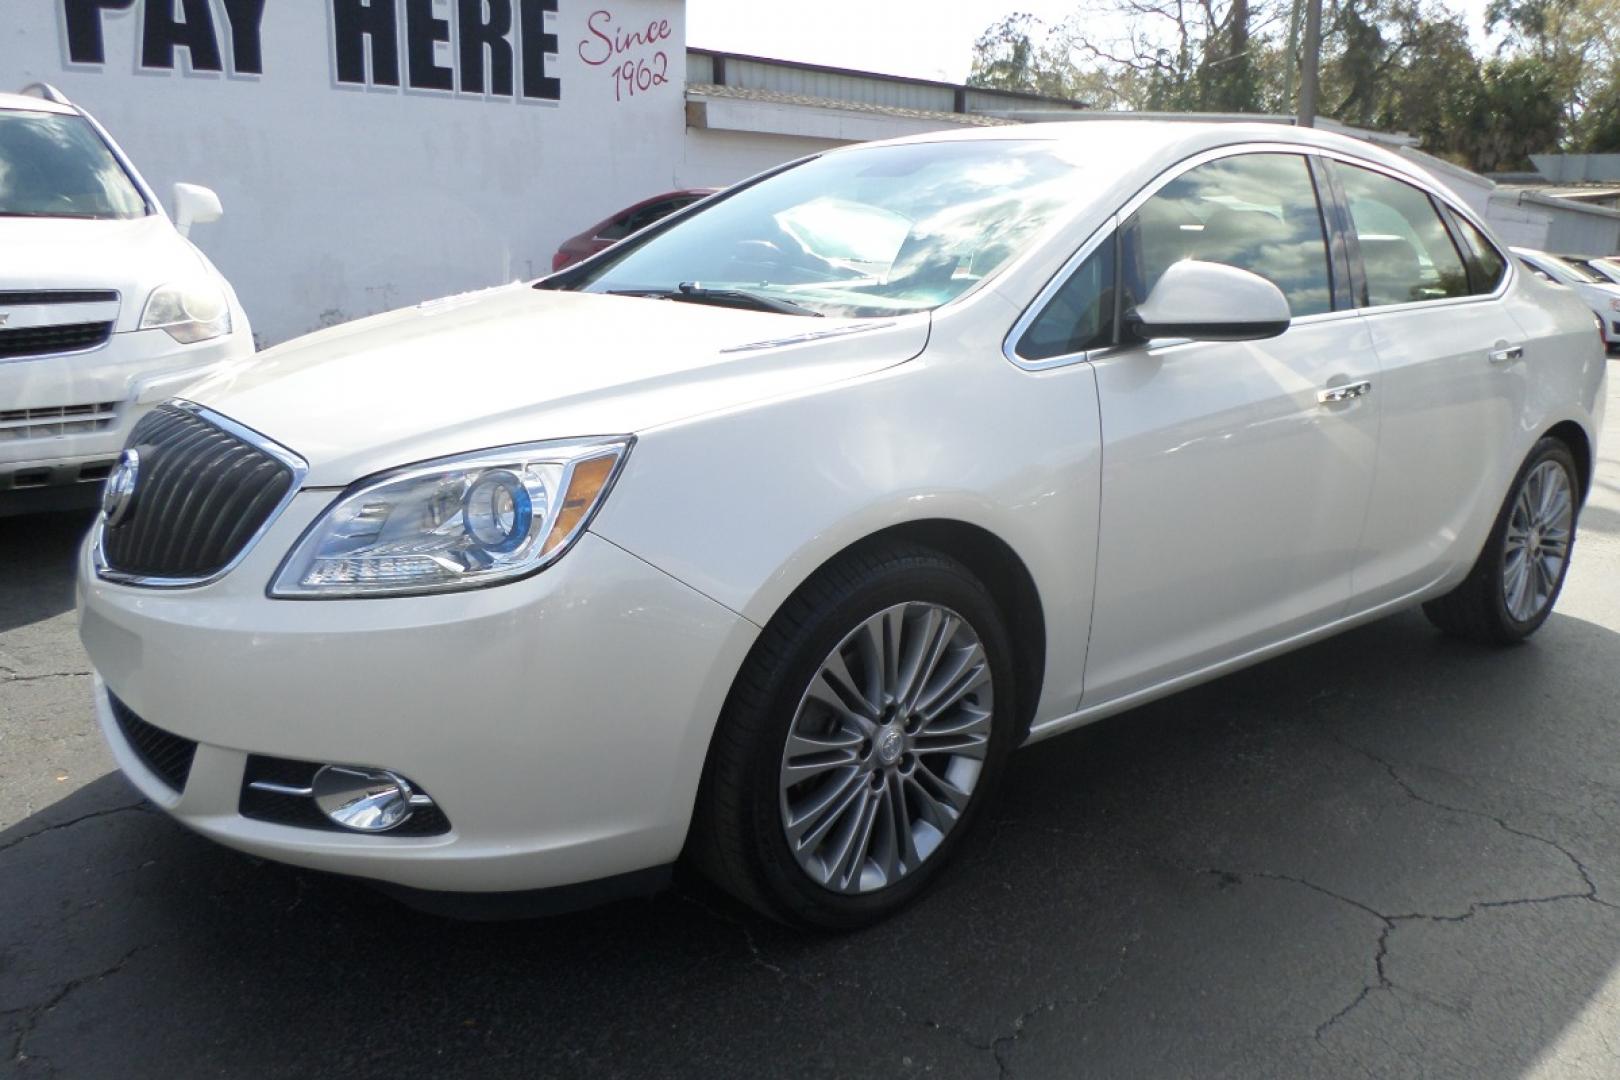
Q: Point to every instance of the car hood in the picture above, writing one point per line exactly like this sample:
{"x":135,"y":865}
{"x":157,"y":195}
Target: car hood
{"x":133,"y":256}
{"x":1597,"y":294}
{"x":518,"y":364}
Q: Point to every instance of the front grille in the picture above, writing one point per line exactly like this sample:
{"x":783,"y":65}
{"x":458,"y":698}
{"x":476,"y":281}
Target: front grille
{"x":169,"y":756}
{"x":48,"y":340}
{"x":48,"y":423}
{"x":16,"y":298}
{"x":201,"y":493}
{"x":300,"y":811}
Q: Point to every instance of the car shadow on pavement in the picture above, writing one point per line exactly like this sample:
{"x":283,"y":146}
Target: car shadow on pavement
{"x":1389,"y":852}
{"x":37,"y":562}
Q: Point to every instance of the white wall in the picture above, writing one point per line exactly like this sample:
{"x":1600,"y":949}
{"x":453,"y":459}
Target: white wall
{"x":345,"y":200}
{"x":717,"y":158}
{"x":1518,"y":224}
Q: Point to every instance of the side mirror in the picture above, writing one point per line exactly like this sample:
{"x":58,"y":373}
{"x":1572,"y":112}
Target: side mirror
{"x":194,"y":205}
{"x":1210,"y":302}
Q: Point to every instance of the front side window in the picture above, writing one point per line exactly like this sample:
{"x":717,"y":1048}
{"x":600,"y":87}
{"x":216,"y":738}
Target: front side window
{"x":1406,"y":252}
{"x":1080,"y":315}
{"x":55,"y":165}
{"x":870,"y":231}
{"x":1257,"y":212}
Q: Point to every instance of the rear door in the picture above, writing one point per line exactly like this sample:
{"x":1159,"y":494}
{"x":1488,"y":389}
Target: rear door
{"x":1450,"y":376}
{"x":1235,"y":482}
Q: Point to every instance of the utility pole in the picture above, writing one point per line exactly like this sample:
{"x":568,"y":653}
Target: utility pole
{"x":1309,"y":62}
{"x":1291,"y":68}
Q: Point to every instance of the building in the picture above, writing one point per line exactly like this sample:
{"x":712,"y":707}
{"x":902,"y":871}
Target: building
{"x":374,"y":153}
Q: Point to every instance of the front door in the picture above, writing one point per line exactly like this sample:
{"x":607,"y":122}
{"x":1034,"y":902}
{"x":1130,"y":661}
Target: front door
{"x":1235,"y":475}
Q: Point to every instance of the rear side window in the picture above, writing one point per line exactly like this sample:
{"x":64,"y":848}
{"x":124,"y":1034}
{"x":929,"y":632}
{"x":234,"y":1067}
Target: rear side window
{"x":1257,"y":212}
{"x":1080,"y":315}
{"x":1406,"y":252}
{"x":1486,"y":266}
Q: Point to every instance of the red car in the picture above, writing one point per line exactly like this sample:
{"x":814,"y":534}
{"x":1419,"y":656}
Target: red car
{"x":605,"y":234}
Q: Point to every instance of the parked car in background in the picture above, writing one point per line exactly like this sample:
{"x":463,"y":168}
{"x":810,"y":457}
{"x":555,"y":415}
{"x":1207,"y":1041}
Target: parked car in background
{"x":1600,"y":293}
{"x":604,"y":234}
{"x":106,"y":308}
{"x":772,"y":572}
{"x":1605,"y":267}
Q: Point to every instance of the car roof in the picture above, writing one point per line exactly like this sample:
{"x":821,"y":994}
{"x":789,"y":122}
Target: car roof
{"x":29,"y":103}
{"x":1150,"y":140}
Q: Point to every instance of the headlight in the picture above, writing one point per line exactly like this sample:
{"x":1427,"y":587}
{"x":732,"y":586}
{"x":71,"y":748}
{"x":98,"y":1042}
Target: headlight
{"x":190,"y":311}
{"x":456,"y":523}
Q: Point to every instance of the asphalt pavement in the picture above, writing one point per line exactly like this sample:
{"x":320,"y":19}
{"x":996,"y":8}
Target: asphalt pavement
{"x":1389,"y":854}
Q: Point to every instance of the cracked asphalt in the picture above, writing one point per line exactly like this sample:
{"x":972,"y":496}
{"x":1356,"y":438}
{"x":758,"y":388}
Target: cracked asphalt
{"x":1389,"y":854}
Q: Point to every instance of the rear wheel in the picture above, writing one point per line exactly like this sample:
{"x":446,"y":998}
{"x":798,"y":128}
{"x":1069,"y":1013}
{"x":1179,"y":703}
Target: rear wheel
{"x":861,"y":739}
{"x":1516,"y":580}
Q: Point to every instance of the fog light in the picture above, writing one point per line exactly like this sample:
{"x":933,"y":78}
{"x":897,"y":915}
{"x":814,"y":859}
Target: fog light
{"x":365,"y":800}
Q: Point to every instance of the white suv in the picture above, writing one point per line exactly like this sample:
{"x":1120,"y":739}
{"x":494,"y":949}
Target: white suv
{"x":105,"y":307}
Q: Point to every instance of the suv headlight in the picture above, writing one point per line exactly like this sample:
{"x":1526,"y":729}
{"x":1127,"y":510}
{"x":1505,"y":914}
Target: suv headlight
{"x":190,"y":311}
{"x":456,"y":523}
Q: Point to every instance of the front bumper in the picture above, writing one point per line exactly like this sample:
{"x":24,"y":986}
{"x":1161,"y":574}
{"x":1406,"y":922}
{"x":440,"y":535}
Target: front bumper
{"x":63,"y":419}
{"x":560,"y":723}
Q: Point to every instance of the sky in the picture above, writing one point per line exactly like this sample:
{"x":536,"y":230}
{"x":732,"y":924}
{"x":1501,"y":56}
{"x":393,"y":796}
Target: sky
{"x":925,"y":39}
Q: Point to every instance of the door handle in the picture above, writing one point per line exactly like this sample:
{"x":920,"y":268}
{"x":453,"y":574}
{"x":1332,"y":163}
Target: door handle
{"x":1507,"y":355}
{"x":1348,"y":392}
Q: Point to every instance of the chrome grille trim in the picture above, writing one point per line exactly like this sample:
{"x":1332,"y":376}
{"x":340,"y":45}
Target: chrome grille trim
{"x":298,"y":466}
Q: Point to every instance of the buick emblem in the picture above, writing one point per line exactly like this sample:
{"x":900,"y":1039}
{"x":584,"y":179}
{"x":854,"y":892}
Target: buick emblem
{"x":120,"y":491}
{"x":4,"y":316}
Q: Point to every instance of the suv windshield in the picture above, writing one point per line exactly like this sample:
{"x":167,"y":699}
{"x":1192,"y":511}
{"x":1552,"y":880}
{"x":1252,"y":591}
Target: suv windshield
{"x":868,"y":232}
{"x":55,"y":165}
{"x":1579,"y":273}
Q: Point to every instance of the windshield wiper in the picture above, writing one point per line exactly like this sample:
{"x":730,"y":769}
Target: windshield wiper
{"x":692,"y":292}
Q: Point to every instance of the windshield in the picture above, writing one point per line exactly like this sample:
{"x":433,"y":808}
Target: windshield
{"x":1579,"y":273}
{"x":55,"y":165}
{"x":875,"y":231}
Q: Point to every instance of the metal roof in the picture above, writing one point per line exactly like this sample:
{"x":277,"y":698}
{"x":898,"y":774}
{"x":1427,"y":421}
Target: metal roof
{"x":776,"y":97}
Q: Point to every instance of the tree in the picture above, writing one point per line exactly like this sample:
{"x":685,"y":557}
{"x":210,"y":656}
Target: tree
{"x":1007,"y":57}
{"x":1394,"y":65}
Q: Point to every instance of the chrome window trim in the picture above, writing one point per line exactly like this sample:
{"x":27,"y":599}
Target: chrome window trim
{"x":300,"y":470}
{"x":1009,"y":346}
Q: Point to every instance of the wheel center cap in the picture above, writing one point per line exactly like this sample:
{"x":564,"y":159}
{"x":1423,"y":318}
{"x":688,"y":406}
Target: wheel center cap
{"x":890,"y":744}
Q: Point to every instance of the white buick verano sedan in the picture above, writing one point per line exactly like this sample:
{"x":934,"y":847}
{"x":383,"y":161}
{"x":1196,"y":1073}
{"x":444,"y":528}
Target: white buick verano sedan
{"x":762,"y":538}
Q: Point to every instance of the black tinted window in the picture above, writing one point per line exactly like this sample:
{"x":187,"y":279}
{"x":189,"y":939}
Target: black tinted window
{"x":636,"y":220}
{"x":1485,"y":264}
{"x":1080,"y":314}
{"x":1257,"y":212}
{"x":1406,"y":252}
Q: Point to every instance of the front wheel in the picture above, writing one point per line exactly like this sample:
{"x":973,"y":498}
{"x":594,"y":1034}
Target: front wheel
{"x":1514,"y":584}
{"x":861,"y":739}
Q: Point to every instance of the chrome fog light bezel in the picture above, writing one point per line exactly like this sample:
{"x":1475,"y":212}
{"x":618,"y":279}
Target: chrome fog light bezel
{"x":364,"y":800}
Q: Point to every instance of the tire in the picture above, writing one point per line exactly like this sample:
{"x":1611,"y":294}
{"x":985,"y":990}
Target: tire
{"x":1482,"y":608}
{"x":747,"y":800}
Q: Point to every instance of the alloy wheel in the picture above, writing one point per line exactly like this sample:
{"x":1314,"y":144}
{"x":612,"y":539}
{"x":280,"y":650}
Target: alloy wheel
{"x":1537,"y":542}
{"x":886,"y":747}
